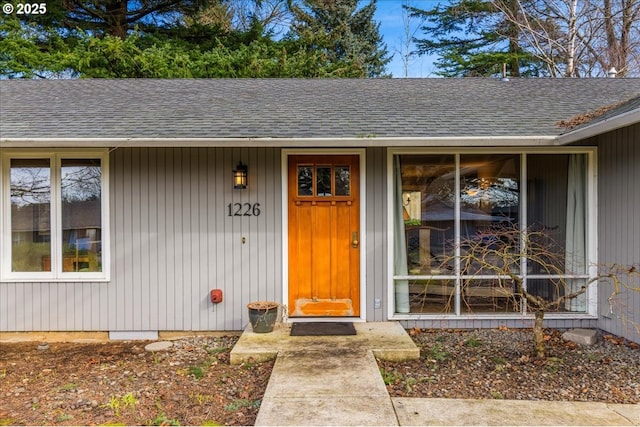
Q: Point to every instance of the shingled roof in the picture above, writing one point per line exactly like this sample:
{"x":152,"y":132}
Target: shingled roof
{"x":299,"y":108}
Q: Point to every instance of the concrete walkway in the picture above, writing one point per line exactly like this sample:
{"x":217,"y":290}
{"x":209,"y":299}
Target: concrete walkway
{"x":333,"y":381}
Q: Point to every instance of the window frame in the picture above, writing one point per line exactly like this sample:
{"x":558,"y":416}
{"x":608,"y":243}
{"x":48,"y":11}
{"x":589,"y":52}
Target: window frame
{"x":56,"y":274}
{"x":591,"y":231}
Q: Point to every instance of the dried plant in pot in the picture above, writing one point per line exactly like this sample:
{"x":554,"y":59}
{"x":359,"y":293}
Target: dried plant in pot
{"x":263,"y":315}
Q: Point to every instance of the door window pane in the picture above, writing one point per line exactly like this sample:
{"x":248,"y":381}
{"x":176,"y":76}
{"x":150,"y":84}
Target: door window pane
{"x":343,"y":180}
{"x":81,"y":215}
{"x":30,"y":191}
{"x":323,"y":187}
{"x":305,"y":180}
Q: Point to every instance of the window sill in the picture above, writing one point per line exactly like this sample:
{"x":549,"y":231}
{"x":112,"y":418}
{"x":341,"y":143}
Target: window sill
{"x":490,"y":316}
{"x":55,"y":280}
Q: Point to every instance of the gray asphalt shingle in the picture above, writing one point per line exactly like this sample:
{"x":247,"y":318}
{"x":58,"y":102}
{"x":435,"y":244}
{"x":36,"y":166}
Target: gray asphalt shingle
{"x":299,"y":108}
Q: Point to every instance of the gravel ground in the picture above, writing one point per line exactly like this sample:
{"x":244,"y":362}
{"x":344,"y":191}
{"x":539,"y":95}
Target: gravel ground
{"x":500,"y":364}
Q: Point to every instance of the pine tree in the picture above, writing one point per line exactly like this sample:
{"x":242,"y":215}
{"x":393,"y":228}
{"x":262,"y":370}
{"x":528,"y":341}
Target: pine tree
{"x":342,"y":34}
{"x":473,"y":38}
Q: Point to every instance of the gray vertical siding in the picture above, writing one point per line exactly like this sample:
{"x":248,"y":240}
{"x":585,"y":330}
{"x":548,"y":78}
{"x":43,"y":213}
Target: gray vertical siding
{"x":172,"y":241}
{"x":45,"y":306}
{"x":619,"y":224}
{"x":376,"y":250}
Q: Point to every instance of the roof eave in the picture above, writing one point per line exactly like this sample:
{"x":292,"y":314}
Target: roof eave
{"x":467,"y":141}
{"x":598,"y":128}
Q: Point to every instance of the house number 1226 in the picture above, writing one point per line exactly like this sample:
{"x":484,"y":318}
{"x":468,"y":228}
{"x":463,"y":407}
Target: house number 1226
{"x":244,"y":209}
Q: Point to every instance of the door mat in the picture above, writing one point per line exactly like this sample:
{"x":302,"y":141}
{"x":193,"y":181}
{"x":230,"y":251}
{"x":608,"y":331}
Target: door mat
{"x":322,"y":328}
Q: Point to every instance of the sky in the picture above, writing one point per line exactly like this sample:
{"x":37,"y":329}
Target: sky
{"x":392,"y":29}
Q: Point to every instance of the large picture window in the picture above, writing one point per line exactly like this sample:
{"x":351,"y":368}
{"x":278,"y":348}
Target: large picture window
{"x":444,"y":203}
{"x":54,"y":212}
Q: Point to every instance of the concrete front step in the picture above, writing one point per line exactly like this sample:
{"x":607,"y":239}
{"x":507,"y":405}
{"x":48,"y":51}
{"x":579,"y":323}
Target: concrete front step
{"x":387,"y":340}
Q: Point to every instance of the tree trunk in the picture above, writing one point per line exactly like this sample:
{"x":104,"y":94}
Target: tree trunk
{"x":513,"y":32}
{"x":116,"y":18}
{"x":571,"y":42}
{"x":538,"y":335}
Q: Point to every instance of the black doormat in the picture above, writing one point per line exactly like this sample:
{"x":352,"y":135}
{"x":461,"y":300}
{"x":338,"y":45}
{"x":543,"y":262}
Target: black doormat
{"x":322,"y":328}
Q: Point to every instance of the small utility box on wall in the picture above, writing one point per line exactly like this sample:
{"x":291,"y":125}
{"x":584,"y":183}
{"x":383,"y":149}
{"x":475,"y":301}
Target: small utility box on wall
{"x":216,"y":296}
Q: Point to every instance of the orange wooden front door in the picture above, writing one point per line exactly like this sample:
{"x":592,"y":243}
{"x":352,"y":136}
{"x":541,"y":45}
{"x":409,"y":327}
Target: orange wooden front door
{"x":324,"y":235}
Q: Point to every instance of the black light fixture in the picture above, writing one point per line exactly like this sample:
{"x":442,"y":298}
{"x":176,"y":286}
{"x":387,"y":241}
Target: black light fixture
{"x":240,"y":177}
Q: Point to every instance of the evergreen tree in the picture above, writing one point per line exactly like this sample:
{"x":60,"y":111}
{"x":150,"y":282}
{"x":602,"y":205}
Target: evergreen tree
{"x":116,"y":17}
{"x":342,"y":34}
{"x":473,"y":38}
{"x":156,"y":38}
{"x":551,"y":38}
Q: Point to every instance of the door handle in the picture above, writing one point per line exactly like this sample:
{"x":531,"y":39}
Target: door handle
{"x":354,"y":239}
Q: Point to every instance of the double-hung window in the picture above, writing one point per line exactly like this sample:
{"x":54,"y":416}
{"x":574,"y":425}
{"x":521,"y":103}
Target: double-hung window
{"x":54,"y":216}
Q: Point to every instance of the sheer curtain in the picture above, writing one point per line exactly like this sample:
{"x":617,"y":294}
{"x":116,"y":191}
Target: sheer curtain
{"x":575,"y":247}
{"x":400,"y":244}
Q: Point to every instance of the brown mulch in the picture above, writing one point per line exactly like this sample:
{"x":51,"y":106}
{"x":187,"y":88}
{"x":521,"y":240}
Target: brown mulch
{"x":500,"y":364}
{"x":119,"y":383}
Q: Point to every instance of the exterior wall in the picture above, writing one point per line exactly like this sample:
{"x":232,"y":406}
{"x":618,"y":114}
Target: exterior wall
{"x":485,"y":322}
{"x":172,"y":241}
{"x":47,"y":306}
{"x":619,"y":224}
{"x":376,"y":243}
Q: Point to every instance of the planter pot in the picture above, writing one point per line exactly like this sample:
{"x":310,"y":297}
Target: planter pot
{"x":263,"y":315}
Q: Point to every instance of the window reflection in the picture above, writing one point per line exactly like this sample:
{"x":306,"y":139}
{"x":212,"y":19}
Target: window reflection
{"x":323,"y":186}
{"x":81,"y":215}
{"x":489,"y":191}
{"x":428,"y":211}
{"x":441,"y":210}
{"x":30,"y":191}
{"x":343,"y":180}
{"x":305,"y":180}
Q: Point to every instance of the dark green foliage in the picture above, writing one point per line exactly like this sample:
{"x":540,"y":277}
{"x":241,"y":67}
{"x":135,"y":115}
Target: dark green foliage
{"x":347,"y":39}
{"x":27,"y":50}
{"x":165,"y":39}
{"x":473,"y":38}
{"x":116,"y":17}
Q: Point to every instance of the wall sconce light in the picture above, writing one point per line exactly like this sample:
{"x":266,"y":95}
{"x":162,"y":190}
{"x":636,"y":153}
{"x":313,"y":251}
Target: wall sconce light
{"x":240,"y":177}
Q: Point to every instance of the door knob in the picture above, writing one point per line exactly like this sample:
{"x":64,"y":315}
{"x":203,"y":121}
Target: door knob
{"x":354,"y":239}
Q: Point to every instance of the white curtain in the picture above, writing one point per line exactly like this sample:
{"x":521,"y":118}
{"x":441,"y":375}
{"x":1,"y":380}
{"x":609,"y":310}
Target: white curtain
{"x":576,"y":250}
{"x":400,"y":244}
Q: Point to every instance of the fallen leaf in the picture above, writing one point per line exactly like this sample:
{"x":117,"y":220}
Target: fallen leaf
{"x":415,"y":332}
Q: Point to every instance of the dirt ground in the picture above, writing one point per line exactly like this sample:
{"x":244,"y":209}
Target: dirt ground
{"x":500,"y":364}
{"x":119,"y":383}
